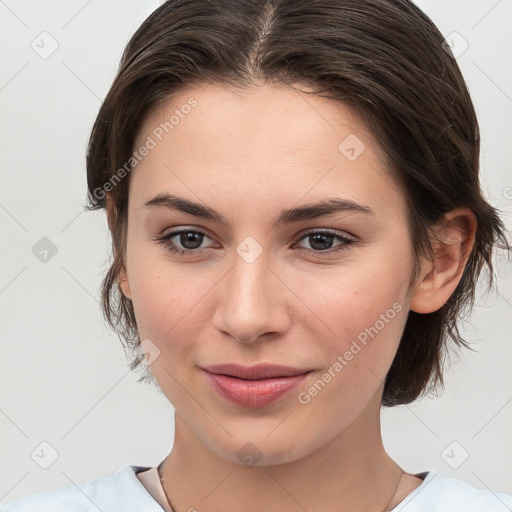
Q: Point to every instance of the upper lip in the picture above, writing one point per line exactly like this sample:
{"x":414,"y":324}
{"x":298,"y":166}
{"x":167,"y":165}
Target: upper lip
{"x":258,"y":371}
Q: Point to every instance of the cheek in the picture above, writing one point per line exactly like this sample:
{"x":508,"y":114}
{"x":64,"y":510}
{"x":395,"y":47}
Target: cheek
{"x":167,"y":305}
{"x":365,"y":316}
{"x":351,"y":297}
{"x":360,"y":310}
{"x":166,"y":297}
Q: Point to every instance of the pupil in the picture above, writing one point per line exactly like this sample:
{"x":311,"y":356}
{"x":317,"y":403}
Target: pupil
{"x":326,"y":244}
{"x":193,"y":238}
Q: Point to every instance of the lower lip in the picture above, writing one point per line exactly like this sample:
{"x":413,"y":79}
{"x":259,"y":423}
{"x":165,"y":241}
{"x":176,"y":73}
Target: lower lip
{"x":254,"y":393}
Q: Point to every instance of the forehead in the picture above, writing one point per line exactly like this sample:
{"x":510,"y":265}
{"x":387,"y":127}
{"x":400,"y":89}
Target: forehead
{"x":277,"y":113}
{"x":266,"y":142}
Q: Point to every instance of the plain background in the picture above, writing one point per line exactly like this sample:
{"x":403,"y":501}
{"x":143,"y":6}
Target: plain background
{"x":63,"y":374}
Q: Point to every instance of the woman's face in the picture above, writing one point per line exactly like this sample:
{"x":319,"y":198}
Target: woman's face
{"x":319,"y":289}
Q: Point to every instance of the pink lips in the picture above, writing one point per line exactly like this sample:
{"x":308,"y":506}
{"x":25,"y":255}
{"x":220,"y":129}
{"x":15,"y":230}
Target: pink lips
{"x":254,"y":386}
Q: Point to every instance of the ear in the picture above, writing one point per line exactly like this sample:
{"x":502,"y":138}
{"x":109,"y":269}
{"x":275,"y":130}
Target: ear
{"x":122,"y":278}
{"x":124,"y":285}
{"x":452,"y":244}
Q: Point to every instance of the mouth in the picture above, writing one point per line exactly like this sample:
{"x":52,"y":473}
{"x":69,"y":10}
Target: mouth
{"x":254,"y":386}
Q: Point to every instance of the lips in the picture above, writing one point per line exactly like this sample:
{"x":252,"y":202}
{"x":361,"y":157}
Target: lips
{"x":254,"y":386}
{"x":256,"y":372}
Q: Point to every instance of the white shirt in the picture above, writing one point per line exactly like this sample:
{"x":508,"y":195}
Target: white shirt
{"x":130,"y":490}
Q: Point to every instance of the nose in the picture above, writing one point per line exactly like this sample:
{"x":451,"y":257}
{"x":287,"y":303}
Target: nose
{"x":252,"y":302}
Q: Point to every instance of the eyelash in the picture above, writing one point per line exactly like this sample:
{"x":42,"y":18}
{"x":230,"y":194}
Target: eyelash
{"x":165,"y":241}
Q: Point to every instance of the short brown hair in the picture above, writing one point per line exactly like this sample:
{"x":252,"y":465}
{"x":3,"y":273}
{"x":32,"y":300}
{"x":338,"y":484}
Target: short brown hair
{"x":385,"y":58}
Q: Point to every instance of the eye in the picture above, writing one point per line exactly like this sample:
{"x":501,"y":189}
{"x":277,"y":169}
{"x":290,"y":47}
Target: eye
{"x":322,"y":241}
{"x":189,"y":241}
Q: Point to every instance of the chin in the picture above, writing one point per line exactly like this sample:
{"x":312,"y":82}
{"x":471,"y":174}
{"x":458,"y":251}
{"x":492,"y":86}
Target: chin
{"x":261,"y":448}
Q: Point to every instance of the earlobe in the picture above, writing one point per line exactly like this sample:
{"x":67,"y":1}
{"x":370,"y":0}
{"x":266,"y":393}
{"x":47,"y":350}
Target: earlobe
{"x":452,"y":244}
{"x":124,"y":285}
{"x":122,"y":279}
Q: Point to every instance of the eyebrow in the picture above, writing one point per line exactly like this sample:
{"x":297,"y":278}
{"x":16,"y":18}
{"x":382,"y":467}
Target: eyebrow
{"x":287,"y":216}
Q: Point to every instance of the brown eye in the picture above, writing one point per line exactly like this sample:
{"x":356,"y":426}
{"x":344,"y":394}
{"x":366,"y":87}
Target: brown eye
{"x":322,"y":241}
{"x":183,"y":241}
{"x":190,"y":239}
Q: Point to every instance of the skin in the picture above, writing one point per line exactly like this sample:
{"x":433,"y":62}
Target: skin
{"x":248,"y":154}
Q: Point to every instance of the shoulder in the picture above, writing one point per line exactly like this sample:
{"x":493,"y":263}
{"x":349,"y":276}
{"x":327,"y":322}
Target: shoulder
{"x":438,"y":493}
{"x":110,"y":493}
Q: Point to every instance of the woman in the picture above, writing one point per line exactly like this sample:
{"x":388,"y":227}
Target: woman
{"x":293,"y":195}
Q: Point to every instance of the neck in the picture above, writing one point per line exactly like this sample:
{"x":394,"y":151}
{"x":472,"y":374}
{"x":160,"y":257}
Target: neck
{"x":351,"y":472}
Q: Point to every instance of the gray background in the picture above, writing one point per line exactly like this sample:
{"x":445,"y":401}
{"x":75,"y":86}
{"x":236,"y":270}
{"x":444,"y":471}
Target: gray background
{"x":63,"y":374}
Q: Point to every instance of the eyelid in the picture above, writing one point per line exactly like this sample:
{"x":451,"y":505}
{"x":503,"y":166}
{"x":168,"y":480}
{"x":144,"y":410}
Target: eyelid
{"x":345,"y":241}
{"x":309,"y":231}
{"x":179,"y":229}
{"x":205,"y":232}
{"x":172,"y":232}
{"x":335,"y":232}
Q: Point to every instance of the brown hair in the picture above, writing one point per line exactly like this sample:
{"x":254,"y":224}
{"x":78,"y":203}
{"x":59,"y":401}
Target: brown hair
{"x":385,"y":58}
